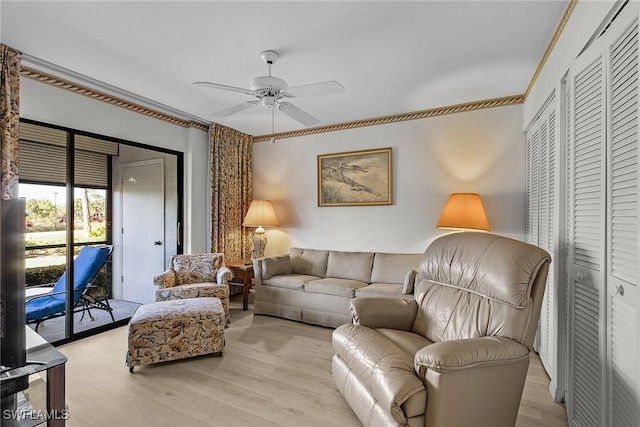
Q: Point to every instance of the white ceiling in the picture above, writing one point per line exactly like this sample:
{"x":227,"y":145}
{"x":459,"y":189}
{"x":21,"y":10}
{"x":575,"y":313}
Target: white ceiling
{"x":392,"y":57}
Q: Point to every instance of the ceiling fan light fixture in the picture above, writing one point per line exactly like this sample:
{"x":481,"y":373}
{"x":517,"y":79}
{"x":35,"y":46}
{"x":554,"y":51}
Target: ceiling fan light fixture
{"x":268,"y":101}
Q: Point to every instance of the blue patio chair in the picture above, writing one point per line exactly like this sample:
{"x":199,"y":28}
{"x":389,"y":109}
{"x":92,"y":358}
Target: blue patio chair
{"x":86,"y":266}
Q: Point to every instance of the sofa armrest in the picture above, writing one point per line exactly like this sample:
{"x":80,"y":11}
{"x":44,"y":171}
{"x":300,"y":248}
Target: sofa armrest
{"x":165,"y":280}
{"x":390,"y":313}
{"x":224,"y":276}
{"x":257,"y":272}
{"x":455,"y":355}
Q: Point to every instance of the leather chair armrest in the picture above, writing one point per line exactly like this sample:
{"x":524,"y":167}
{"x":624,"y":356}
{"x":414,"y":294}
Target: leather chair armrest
{"x":165,"y":280}
{"x":224,"y":275}
{"x":390,"y":313}
{"x":455,"y":355}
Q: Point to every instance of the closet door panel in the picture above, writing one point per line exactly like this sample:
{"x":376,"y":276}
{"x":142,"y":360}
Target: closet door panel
{"x":541,"y":225}
{"x":533,"y":166}
{"x":547,"y":237}
{"x":622,"y":212}
{"x":585,"y":238}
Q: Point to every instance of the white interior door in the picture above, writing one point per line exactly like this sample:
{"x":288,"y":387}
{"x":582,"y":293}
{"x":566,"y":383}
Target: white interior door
{"x":622,"y":222}
{"x":585,"y":238}
{"x":142,"y":228}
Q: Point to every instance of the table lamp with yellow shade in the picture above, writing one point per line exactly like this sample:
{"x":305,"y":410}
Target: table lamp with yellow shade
{"x":260,"y":214}
{"x":464,"y":211}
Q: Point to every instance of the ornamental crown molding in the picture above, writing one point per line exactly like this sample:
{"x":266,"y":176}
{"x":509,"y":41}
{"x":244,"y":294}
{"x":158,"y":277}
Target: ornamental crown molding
{"x":46,"y":72}
{"x":109,"y":95}
{"x":552,"y":42}
{"x":433,"y":112}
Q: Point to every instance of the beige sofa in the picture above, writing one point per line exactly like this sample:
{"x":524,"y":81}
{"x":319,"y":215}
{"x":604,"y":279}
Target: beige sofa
{"x":458,"y":354}
{"x":315,"y":286}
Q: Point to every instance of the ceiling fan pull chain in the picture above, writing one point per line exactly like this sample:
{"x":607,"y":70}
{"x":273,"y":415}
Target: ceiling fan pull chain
{"x":273,"y":124}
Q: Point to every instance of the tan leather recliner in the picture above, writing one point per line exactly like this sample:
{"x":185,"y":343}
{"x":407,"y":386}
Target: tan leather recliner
{"x":456,"y":355}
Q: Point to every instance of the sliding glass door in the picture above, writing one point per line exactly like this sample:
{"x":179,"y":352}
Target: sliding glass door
{"x":75,"y":188}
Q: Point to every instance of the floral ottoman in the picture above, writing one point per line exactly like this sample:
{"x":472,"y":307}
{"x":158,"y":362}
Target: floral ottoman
{"x":175,"y":329}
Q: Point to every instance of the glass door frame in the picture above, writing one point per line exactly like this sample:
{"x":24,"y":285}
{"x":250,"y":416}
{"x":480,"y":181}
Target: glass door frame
{"x":70,"y":335}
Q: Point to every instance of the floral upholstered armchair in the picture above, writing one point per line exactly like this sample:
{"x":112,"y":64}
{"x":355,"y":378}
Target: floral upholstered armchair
{"x":193,"y":276}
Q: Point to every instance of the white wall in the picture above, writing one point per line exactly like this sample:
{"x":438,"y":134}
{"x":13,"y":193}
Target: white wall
{"x":480,"y":151}
{"x":52,"y":105}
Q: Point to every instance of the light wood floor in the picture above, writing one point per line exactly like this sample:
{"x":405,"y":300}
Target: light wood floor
{"x":274,"y":372}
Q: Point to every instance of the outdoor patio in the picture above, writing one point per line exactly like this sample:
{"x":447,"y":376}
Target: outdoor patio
{"x":53,"y":330}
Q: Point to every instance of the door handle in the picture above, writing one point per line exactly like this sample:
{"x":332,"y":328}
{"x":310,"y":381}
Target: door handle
{"x":157,"y":243}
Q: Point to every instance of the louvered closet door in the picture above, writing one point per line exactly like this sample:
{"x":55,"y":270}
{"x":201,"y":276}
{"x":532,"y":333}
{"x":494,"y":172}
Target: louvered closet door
{"x":547,"y":236}
{"x":603,"y":228}
{"x":533,"y":165}
{"x":541,"y":222}
{"x":585,"y":238}
{"x":622,"y":224}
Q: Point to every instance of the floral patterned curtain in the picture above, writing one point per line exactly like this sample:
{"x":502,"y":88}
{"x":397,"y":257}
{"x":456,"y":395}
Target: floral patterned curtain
{"x":9,"y":119}
{"x":231,"y":182}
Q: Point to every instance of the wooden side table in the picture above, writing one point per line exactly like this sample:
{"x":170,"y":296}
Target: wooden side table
{"x":243,"y":271}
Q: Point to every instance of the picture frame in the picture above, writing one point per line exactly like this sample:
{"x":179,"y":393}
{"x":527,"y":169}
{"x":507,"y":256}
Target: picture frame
{"x":356,"y":178}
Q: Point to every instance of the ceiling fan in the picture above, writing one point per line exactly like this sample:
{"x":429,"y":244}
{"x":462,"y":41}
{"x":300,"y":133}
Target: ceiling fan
{"x":270,"y":91}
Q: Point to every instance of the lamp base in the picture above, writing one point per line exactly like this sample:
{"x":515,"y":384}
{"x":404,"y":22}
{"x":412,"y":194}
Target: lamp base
{"x":259,"y":242}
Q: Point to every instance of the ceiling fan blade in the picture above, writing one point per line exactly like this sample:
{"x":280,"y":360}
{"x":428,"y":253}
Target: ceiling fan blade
{"x":331,"y":87}
{"x":235,"y":109}
{"x":297,"y":114}
{"x":224,"y":87}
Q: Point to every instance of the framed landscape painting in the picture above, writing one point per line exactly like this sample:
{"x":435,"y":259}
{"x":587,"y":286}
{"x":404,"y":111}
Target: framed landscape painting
{"x":355,"y":178}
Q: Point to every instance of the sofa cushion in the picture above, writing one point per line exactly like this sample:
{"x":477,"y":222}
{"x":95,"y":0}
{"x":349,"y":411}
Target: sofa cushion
{"x":409,"y":281}
{"x":350,"y":265}
{"x":406,"y":340}
{"x":333,"y":286}
{"x":276,"y":265}
{"x":393,"y":268}
{"x":308,"y":261}
{"x":289,"y":281}
{"x":380,"y":289}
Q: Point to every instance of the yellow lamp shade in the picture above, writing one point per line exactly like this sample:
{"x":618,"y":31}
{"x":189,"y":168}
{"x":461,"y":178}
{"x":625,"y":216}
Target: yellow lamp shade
{"x":260,"y":214}
{"x":464,"y":211}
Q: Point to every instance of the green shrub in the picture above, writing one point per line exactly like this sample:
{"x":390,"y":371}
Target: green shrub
{"x":98,"y":231}
{"x":43,"y":275}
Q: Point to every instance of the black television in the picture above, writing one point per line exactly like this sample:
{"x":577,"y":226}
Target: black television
{"x":12,"y":293}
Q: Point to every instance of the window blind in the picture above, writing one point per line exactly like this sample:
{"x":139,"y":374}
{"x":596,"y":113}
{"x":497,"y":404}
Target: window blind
{"x":42,"y":152}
